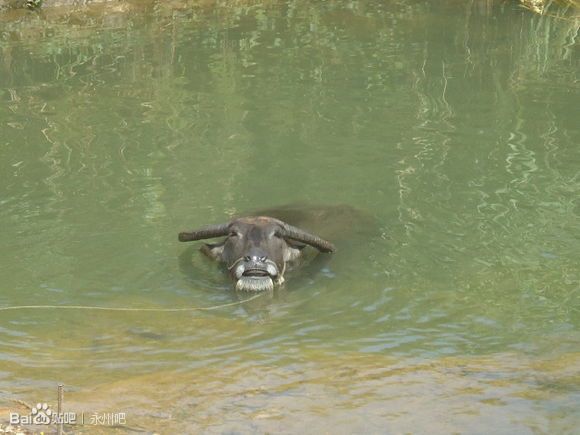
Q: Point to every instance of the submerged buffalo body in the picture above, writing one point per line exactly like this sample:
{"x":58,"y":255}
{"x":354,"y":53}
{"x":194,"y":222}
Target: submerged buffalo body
{"x":256,"y":249}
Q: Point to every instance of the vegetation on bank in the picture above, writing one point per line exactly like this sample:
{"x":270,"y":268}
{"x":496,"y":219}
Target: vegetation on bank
{"x":537,"y":6}
{"x":541,"y":6}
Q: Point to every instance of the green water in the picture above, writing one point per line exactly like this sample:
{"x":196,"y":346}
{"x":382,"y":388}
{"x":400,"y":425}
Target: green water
{"x":452,"y":125}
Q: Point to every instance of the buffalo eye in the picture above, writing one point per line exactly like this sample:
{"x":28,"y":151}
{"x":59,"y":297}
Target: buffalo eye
{"x":234,"y":234}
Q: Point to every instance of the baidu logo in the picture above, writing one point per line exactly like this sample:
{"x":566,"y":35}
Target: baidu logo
{"x":41,"y":414}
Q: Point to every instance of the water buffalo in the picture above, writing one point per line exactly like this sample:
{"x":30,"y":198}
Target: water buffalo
{"x":256,"y":249}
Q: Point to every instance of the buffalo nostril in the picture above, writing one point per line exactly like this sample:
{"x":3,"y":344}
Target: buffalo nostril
{"x":247,"y":258}
{"x":262,"y":259}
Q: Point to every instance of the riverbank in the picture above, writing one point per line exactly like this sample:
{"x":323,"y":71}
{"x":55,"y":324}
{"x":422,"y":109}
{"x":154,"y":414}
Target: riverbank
{"x":537,"y":6}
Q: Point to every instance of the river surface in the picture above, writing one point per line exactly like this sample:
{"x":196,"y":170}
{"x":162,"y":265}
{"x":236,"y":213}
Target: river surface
{"x":451,"y":128}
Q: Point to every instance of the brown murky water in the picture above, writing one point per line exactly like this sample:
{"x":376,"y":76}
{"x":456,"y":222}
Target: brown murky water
{"x":446,"y":131}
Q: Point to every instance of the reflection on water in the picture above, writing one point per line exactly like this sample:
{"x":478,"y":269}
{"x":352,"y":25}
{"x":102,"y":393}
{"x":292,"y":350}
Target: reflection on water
{"x":450,"y":128}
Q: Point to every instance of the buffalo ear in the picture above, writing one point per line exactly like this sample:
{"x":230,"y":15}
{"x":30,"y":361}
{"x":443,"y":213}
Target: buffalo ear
{"x":213,"y":250}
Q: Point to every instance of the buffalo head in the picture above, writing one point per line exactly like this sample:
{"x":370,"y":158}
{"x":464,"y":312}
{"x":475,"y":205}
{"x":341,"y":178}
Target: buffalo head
{"x":256,"y":249}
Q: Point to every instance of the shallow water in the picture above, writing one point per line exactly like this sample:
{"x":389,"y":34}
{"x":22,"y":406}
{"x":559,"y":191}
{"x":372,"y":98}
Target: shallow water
{"x":451,"y":126}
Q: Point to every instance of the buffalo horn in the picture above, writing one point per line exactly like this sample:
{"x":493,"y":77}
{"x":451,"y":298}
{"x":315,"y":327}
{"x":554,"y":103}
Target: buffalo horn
{"x":290,"y":232}
{"x":208,"y":232}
